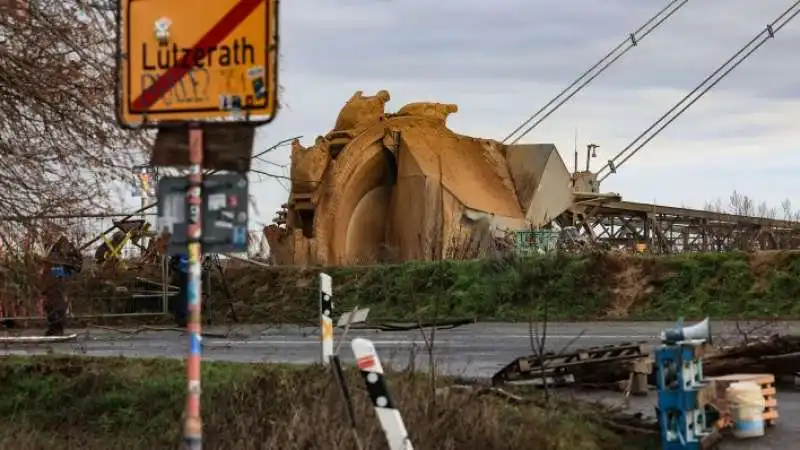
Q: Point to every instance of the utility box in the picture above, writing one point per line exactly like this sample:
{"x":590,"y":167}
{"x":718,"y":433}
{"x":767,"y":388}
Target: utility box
{"x":224,"y":213}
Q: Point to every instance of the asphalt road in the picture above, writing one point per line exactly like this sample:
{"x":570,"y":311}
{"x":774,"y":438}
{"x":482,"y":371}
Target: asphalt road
{"x":476,"y":350}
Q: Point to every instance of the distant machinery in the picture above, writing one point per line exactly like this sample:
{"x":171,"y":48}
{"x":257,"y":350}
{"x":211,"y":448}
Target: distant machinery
{"x":400,"y":186}
{"x":126,"y":232}
{"x":604,"y":219}
{"x":385,"y":186}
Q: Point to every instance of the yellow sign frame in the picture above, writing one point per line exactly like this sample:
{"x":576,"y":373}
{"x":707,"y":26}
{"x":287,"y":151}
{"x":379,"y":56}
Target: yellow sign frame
{"x":179,"y":62}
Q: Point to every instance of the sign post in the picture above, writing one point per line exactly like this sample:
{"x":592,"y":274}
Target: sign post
{"x":208,"y":72}
{"x":193,"y":427}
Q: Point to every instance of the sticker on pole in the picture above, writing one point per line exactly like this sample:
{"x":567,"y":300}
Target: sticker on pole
{"x":182,"y":63}
{"x":224,"y":217}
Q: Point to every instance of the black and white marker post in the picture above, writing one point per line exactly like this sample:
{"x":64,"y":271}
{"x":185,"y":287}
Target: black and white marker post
{"x":326,"y":316}
{"x":389,"y":417}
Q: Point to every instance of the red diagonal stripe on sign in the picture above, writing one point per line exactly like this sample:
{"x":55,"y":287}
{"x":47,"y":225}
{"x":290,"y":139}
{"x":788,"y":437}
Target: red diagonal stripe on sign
{"x":212,"y":38}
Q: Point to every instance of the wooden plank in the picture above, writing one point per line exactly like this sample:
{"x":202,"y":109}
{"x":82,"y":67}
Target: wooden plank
{"x":36,"y":339}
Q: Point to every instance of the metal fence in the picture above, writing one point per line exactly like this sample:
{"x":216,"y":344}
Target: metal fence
{"x":101,"y":289}
{"x":95,"y":292}
{"x":132,"y":282}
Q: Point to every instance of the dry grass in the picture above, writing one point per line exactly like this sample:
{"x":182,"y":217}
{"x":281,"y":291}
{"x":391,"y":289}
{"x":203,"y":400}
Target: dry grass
{"x":115,"y":403}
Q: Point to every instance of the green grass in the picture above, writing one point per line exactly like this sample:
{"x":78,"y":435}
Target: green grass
{"x":568,"y":287}
{"x":114,"y":403}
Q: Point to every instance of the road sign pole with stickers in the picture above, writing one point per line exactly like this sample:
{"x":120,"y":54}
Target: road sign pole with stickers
{"x":204,"y":215}
{"x":193,"y":426}
{"x":204,"y":77}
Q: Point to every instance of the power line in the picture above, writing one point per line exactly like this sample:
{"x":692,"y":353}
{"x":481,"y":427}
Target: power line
{"x":699,"y":91}
{"x":632,"y":40}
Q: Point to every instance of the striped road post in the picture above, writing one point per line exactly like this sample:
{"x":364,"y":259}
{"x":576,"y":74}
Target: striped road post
{"x":193,"y":426}
{"x":325,"y":313}
{"x":372,"y":371}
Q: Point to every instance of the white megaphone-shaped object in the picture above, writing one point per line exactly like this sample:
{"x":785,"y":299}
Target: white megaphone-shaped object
{"x":697,"y":332}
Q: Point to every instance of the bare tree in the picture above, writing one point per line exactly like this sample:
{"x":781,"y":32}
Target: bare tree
{"x":60,"y":148}
{"x":762,"y":209}
{"x":741,"y":204}
{"x":786,"y":206}
{"x":715,"y":206}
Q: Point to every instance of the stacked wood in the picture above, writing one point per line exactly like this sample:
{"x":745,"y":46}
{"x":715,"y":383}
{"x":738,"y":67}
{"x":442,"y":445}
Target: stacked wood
{"x":630,"y":364}
{"x":593,"y":365}
{"x":779,"y":355}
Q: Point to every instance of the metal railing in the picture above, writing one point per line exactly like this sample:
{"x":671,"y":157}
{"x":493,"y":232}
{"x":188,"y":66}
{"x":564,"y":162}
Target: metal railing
{"x":96,"y":292}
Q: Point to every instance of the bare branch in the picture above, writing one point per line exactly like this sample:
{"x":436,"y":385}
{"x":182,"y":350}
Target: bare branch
{"x":60,"y":147}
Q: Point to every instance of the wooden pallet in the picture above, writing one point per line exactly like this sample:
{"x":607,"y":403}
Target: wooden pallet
{"x":767,"y":383}
{"x":531,"y":367}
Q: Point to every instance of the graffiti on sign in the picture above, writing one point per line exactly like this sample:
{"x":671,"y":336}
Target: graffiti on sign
{"x":190,"y":64}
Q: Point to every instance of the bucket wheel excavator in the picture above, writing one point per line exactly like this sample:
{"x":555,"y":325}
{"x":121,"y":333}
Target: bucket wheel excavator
{"x":396,"y":186}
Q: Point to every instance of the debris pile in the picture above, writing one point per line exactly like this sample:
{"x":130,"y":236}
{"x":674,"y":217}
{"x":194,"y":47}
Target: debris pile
{"x":778,"y":354}
{"x":623,"y":365}
{"x":595,"y":365}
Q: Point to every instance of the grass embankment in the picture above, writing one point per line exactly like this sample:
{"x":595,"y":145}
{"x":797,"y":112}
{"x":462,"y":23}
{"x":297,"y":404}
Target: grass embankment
{"x":571,"y":287}
{"x":114,"y":403}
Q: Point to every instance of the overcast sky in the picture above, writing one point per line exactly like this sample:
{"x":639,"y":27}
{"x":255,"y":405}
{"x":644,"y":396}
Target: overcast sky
{"x":501,"y":60}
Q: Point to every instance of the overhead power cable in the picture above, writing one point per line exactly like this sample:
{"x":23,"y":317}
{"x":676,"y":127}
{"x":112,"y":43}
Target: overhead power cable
{"x":698,"y":92}
{"x":139,"y":211}
{"x":632,"y":40}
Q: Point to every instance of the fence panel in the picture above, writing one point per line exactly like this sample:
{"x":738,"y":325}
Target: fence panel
{"x":129,"y":278}
{"x":124,"y":272}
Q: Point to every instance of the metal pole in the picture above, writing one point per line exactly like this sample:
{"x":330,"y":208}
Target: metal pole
{"x":144,"y":202}
{"x":164,"y":284}
{"x":575,"y":166}
{"x":193,"y":427}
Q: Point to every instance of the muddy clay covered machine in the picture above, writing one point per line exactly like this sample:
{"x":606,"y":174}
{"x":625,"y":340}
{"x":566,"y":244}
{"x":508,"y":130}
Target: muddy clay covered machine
{"x":402,"y":186}
{"x":405,"y":183}
{"x":398,"y":186}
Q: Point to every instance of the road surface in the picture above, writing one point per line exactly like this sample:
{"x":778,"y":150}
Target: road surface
{"x":474,"y":351}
